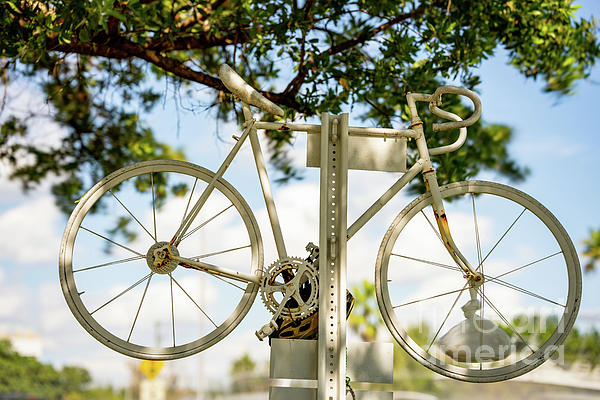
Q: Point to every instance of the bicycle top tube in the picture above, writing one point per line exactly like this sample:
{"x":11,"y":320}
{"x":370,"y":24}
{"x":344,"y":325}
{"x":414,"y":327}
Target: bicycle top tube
{"x":434,"y":101}
{"x":352,"y":130}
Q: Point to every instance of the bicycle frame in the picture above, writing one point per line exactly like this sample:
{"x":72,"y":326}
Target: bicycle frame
{"x":422,"y":166}
{"x":294,"y":289}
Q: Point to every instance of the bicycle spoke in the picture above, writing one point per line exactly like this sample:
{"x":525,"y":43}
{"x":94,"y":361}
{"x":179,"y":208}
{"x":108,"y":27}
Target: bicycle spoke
{"x":132,"y":216}
{"x":122,"y":293}
{"x":226,"y":281}
{"x":502,"y":237}
{"x":478,"y":241}
{"x":477,"y":238}
{"x":495,"y":235}
{"x":205,"y":222}
{"x":447,"y":315}
{"x":153,"y":205}
{"x":527,"y":265}
{"x":428,"y":298}
{"x":185,"y":225}
{"x":189,"y":201}
{"x":428,"y":262}
{"x":116,"y":259}
{"x":140,"y":307}
{"x":193,"y":301}
{"x":433,"y":228}
{"x":505,"y":320}
{"x":188,"y":219}
{"x":218,"y":252}
{"x":109,"y":263}
{"x":111,"y":241}
{"x":172,"y":308}
{"x":519,"y":289}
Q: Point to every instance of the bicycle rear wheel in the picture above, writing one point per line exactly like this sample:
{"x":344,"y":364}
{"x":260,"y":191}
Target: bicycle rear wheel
{"x":520,"y":314}
{"x":128,"y":303}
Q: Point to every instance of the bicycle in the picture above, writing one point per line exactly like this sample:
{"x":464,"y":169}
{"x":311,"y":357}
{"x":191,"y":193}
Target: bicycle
{"x":452,"y":264}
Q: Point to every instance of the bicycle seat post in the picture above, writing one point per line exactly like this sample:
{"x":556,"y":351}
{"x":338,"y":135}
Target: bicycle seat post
{"x":265,"y":184}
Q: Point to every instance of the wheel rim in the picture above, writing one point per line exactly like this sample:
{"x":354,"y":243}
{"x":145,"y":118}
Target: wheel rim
{"x":399,"y":266}
{"x":146,"y":301}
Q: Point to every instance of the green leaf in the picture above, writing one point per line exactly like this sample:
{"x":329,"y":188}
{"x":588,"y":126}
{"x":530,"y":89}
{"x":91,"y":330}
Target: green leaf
{"x":420,"y":63}
{"x":13,"y":6}
{"x":114,"y":13}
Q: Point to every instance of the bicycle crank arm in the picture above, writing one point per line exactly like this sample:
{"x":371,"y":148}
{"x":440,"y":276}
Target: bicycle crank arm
{"x":272,"y":326}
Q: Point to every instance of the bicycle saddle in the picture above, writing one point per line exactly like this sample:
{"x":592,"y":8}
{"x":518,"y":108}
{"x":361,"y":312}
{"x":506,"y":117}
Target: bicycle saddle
{"x":245,"y":92}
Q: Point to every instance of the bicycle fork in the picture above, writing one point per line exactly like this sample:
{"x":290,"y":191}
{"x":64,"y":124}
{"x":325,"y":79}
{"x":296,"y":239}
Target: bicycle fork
{"x":432,"y":186}
{"x":442,"y":222}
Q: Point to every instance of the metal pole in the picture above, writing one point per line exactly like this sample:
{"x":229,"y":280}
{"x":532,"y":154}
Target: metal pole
{"x":332,"y":258}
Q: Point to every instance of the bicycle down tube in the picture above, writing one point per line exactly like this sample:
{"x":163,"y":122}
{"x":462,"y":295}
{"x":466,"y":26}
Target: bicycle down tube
{"x":423,"y":165}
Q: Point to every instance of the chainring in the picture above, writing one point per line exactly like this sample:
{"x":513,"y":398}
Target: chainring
{"x":297,"y":277}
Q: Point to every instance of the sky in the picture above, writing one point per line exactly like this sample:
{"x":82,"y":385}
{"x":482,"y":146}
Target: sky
{"x":555,"y":137}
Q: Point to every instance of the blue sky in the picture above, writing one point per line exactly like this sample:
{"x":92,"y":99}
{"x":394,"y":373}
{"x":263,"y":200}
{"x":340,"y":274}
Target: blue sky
{"x":556,"y":137}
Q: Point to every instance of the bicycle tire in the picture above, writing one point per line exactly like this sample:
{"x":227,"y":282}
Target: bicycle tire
{"x":566,"y":264}
{"x":121,"y":185}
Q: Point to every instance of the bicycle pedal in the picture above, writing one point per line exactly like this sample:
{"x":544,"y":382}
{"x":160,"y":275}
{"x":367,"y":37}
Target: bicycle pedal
{"x":266,"y":330}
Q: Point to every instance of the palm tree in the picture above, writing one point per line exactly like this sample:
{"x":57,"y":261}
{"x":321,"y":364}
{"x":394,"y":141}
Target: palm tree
{"x":365,"y":318}
{"x":592,"y":250}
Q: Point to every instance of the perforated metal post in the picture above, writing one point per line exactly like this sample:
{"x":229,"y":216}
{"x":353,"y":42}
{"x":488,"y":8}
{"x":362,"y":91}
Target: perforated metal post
{"x":332,"y":258}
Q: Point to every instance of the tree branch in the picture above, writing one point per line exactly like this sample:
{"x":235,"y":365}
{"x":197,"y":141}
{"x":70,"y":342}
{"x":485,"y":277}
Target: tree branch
{"x":365,"y":36}
{"x":307,"y":7}
{"x":196,"y":42}
{"x":214,"y":5}
{"x":119,"y":48}
{"x":294,"y":86}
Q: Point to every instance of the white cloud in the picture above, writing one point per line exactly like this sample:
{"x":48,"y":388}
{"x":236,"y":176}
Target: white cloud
{"x":54,"y":315}
{"x":10,"y":190}
{"x":552,"y":146}
{"x":106,"y":367}
{"x":28,"y":232}
{"x":13,"y":297}
{"x":298,"y":210}
{"x":66,"y":343}
{"x":25,"y":100}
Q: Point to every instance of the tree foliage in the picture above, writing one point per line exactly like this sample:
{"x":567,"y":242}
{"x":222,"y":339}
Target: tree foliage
{"x":580,"y":345}
{"x":592,"y":250}
{"x":246,"y":377}
{"x":365,"y":318}
{"x":97,"y":62}
{"x":27,"y":376}
{"x":366,"y":321}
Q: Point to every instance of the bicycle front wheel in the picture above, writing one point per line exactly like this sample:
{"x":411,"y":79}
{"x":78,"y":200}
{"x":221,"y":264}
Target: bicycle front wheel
{"x":132,"y":304}
{"x":505,"y":326}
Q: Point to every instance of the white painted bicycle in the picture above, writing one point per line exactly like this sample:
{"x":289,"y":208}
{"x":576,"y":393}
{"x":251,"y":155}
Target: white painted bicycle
{"x":173,"y":241}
